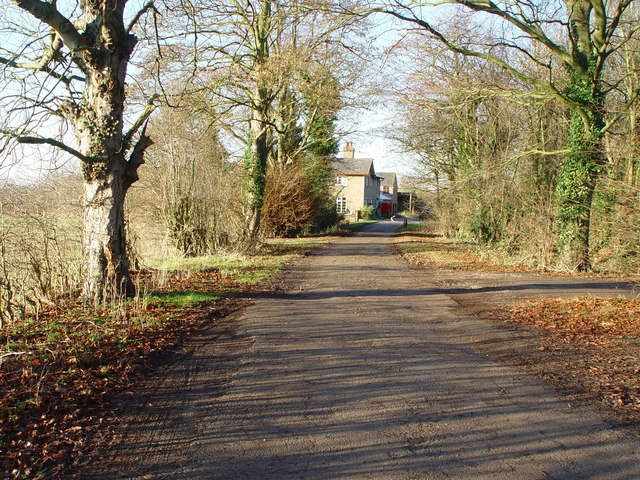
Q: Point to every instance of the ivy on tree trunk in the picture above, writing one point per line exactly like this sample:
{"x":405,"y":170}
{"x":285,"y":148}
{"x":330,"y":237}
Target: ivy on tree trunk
{"x":99,"y":45}
{"x":255,"y":167}
{"x":582,"y":166}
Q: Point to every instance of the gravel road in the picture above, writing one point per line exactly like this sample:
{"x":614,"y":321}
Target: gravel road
{"x":366,"y":368}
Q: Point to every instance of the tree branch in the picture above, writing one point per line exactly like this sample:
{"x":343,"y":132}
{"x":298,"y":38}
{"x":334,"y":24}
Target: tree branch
{"x":29,"y":140}
{"x":634,"y":97}
{"x":613,"y":26}
{"x":544,"y":86}
{"x":47,"y":13}
{"x":146,"y":7}
{"x":532,"y":30}
{"x":41,"y":66}
{"x":142,"y":119}
{"x":136,"y":159}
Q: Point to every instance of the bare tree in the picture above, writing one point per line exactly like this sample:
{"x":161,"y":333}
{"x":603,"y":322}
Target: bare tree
{"x":189,"y":183}
{"x":484,"y":146}
{"x":66,"y":66}
{"x":260,"y":58}
{"x":572,"y":42}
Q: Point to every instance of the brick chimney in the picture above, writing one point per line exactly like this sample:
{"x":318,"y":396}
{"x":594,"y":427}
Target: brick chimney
{"x":348,"y":151}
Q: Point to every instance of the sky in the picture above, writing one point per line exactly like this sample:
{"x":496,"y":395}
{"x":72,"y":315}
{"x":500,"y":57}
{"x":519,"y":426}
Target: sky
{"x":368,"y":131}
{"x":373,"y":128}
{"x":371,"y":141}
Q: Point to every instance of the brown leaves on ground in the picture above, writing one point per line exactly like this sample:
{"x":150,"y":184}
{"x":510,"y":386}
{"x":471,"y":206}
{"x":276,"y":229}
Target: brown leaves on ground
{"x":607,"y":333}
{"x":61,"y":373}
{"x":587,"y":347}
{"x":52,"y":399}
{"x":589,"y":319}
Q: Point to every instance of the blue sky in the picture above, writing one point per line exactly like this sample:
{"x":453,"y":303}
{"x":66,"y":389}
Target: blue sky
{"x":368,"y":128}
{"x":372,"y":127}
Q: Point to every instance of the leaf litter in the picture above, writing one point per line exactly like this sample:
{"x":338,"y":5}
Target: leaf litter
{"x":63,"y":373}
{"x":587,"y":346}
{"x":607,"y":330}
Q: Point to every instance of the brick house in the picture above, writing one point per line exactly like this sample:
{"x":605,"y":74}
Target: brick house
{"x":356,"y":183}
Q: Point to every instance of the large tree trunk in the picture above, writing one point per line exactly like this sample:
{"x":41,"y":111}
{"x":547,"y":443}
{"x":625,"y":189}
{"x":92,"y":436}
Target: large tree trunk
{"x":260,"y":100}
{"x":105,"y":244}
{"x":256,"y":174}
{"x":100,"y":45}
{"x":585,"y":158}
{"x":576,"y":191}
{"x":107,"y":176}
{"x":582,"y":167}
{"x":98,"y":126}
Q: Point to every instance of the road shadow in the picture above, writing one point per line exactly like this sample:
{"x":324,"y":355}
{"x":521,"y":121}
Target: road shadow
{"x":541,"y":289}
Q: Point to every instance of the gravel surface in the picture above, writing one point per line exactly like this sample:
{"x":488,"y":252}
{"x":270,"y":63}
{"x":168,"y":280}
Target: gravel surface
{"x":365,"y":368}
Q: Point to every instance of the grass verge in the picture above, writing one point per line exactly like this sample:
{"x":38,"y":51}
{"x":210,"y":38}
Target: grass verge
{"x":61,"y":371}
{"x":421,"y":248}
{"x":350,"y":227}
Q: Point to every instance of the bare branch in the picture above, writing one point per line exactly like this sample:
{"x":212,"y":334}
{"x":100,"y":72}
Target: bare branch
{"x":529,"y":28}
{"x":29,"y":140}
{"x":634,"y":97}
{"x":142,"y":120}
{"x":146,"y":7}
{"x":136,"y":159}
{"x":41,"y":66}
{"x":49,"y":14}
{"x":541,"y":85}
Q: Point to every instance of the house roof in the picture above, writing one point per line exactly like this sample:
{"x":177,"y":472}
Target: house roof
{"x":387,"y":178}
{"x":354,"y":166}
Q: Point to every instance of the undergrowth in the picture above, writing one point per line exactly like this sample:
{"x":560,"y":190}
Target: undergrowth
{"x":60,"y":370}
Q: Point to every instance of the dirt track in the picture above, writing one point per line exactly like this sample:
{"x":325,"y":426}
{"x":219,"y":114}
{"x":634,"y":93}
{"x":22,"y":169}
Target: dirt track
{"x":365,"y":369}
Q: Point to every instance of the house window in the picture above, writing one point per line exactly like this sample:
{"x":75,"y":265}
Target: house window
{"x":385,"y":189}
{"x":341,"y":204}
{"x":341,"y":180}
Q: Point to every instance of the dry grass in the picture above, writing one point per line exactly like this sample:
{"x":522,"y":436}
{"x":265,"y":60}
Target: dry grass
{"x":423,"y":249}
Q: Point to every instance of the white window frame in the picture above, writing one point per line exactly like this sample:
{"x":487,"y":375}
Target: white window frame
{"x":341,"y":180}
{"x":341,"y":204}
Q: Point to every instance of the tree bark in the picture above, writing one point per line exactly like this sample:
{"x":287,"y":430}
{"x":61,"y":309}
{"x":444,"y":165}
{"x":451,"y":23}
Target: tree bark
{"x":100,"y":46}
{"x":585,"y":160}
{"x":256,"y":175}
{"x":105,"y":243}
{"x":258,"y":151}
{"x":576,"y":190}
{"x":98,"y":126}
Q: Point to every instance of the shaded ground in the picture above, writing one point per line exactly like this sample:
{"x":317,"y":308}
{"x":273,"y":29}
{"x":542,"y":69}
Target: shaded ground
{"x":61,"y":369}
{"x":590,"y":369}
{"x":365,"y":368}
{"x":579,"y":333}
